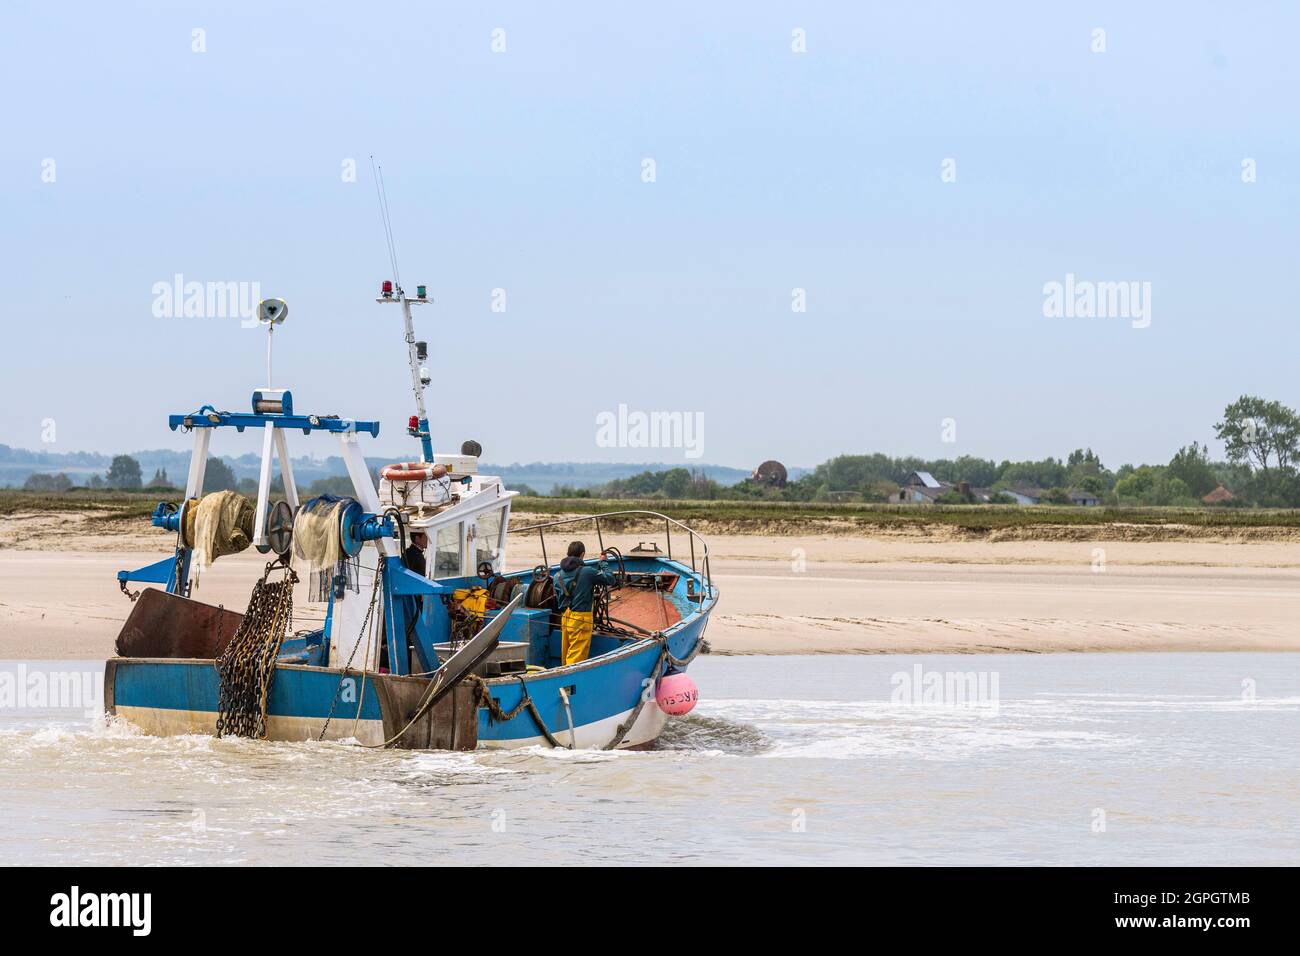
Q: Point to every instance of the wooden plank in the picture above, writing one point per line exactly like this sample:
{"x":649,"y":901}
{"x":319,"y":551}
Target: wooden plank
{"x":450,"y":721}
{"x":110,"y":687}
{"x":450,"y":724}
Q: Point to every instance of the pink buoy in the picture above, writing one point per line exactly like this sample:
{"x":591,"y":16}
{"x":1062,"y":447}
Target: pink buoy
{"x":676,"y":693}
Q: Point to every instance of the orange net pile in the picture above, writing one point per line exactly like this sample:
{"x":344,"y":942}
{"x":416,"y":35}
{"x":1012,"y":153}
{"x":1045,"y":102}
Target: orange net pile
{"x":647,"y":610}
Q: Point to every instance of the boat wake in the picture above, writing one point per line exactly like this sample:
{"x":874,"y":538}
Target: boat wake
{"x":1162,"y":746}
{"x":714,"y":735}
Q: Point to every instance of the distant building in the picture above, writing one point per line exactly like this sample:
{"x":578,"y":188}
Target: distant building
{"x":1029,"y":495}
{"x":921,"y":488}
{"x":1219,"y":496}
{"x":1025,"y":494}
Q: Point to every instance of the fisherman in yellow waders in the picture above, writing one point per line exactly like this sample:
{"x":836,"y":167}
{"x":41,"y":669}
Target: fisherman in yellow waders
{"x":575,"y":585}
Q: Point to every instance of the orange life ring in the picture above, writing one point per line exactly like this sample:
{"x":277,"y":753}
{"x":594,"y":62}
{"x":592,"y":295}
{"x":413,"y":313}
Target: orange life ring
{"x":413,"y":471}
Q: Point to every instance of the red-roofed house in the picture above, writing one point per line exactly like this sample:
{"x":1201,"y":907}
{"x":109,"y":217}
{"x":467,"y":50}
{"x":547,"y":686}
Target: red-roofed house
{"x":1219,"y":496}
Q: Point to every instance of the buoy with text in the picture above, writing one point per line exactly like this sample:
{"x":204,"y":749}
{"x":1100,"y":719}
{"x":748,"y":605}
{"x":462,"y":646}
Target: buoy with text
{"x":676,"y":693}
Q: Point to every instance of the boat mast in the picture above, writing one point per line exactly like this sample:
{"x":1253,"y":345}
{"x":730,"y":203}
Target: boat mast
{"x":419,"y":375}
{"x":391,"y":291}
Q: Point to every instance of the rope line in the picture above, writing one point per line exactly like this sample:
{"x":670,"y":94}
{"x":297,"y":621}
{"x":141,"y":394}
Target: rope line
{"x":497,"y":715}
{"x":347,"y":668}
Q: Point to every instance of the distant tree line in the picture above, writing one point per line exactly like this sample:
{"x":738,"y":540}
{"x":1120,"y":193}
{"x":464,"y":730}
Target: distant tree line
{"x":1261,"y":440}
{"x":124,"y":475}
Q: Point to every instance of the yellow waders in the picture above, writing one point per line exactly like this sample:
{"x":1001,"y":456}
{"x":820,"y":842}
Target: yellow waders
{"x":473,"y":600}
{"x":575,"y":636}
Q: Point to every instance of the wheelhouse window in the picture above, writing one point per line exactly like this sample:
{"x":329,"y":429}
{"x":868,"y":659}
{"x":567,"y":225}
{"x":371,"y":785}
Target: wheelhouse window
{"x":446,"y":551}
{"x":487,"y":538}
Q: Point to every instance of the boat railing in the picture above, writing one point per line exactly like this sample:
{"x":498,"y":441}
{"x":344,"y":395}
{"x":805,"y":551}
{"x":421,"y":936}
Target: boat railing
{"x":700,"y":566}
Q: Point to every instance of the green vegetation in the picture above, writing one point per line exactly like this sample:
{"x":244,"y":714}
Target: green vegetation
{"x":38,"y":482}
{"x":975,"y":519}
{"x":117,"y":504}
{"x":757,"y":516}
{"x":218,"y":476}
{"x":340,"y":485}
{"x":1261,"y":438}
{"x":124,"y":473}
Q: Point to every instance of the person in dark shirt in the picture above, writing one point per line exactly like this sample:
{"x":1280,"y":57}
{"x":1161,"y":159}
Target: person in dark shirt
{"x":413,"y":557}
{"x":413,"y":560}
{"x":575,"y":586}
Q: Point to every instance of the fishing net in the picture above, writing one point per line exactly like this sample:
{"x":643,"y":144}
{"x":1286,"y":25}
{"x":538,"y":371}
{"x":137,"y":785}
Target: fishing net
{"x":223,"y":524}
{"x":316,"y":536}
{"x":336,"y":581}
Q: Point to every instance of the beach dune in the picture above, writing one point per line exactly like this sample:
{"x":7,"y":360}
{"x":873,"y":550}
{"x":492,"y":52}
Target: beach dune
{"x":809,"y":595}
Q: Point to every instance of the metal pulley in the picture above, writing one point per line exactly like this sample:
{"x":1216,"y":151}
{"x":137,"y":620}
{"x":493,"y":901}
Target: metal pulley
{"x":279,"y":529}
{"x":326,"y":529}
{"x":350,"y":517}
{"x":357,"y":527}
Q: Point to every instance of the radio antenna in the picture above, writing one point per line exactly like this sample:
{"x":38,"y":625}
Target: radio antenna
{"x":391,"y":291}
{"x":381,"y":194}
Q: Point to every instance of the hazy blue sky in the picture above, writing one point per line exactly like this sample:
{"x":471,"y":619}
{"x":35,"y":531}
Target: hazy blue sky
{"x":775,"y":170}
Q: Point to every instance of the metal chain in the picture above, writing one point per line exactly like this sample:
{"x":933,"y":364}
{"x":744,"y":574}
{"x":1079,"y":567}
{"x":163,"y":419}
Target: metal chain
{"x":247,"y":665}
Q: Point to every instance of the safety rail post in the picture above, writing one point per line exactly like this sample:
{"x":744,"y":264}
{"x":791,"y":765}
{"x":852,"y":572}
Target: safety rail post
{"x":701,"y":564}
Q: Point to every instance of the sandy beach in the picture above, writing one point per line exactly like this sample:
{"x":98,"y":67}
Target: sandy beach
{"x":790,"y":594}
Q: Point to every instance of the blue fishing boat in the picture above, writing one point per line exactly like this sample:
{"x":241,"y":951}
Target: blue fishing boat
{"x":449,"y":650}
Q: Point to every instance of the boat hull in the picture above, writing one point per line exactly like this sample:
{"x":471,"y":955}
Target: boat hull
{"x":168,"y":697}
